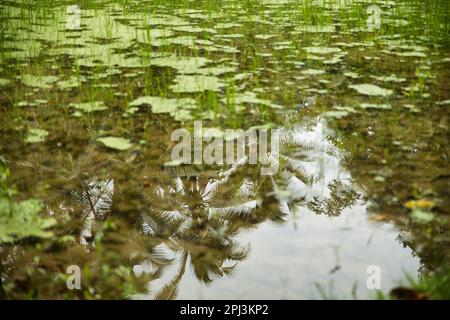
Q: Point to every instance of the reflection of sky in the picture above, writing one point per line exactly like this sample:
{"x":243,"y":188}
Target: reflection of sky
{"x":287,"y":260}
{"x":284,"y":263}
{"x":320,"y":160}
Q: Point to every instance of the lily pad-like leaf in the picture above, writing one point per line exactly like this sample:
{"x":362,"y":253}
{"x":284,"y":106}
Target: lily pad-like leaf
{"x":36,"y":135}
{"x":443,"y":103}
{"x":313,"y":72}
{"x":181,"y":64}
{"x":371,"y":90}
{"x":179,"y":109}
{"x":116,"y":143}
{"x":351,"y":74}
{"x":321,"y":50}
{"x":42,"y":82}
{"x":215,"y":71}
{"x":89,"y":107}
{"x":338,"y":114}
{"x":314,"y":29}
{"x":197,"y":83}
{"x":390,"y":78}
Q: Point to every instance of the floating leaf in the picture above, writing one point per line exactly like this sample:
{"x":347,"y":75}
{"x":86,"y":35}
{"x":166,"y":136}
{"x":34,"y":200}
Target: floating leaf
{"x":42,"y":82}
{"x":197,"y":83}
{"x":371,"y":90}
{"x":215,"y":71}
{"x":36,"y":135}
{"x":422,"y":216}
{"x":265,"y":36}
{"x":193,"y":29}
{"x":180,"y":109}
{"x":70,"y":83}
{"x":314,"y":29}
{"x":116,"y":143}
{"x":351,"y":74}
{"x":443,"y":103}
{"x":184,"y":41}
{"x":391,"y":78}
{"x":182,"y":64}
{"x":89,"y":107}
{"x":313,"y":72}
{"x":228,"y":25}
{"x":321,"y":50}
{"x":410,"y":54}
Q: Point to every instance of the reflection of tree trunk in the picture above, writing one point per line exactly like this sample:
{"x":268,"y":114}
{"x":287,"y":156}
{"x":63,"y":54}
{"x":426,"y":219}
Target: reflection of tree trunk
{"x":97,"y":198}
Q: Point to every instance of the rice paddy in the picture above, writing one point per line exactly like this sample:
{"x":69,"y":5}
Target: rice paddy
{"x":91,"y":91}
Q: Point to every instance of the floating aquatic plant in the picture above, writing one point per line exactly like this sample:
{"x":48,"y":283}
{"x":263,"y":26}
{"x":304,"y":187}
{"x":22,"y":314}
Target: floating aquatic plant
{"x":116,"y":143}
{"x":371,"y":90}
{"x":42,"y":82}
{"x":88,"y":107}
{"x":196,"y":83}
{"x":36,"y":135}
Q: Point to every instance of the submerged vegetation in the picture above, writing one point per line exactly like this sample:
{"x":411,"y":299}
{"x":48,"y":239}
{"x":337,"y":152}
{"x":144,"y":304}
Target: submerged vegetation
{"x":90,"y":92}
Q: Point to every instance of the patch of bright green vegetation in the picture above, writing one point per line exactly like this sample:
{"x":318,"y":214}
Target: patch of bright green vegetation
{"x":236,"y":64}
{"x":432,"y":286}
{"x":20,"y":219}
{"x":371,"y":90}
{"x":36,"y":135}
{"x":88,"y":107}
{"x":436,"y":284}
{"x":196,"y":83}
{"x":116,"y":143}
{"x":42,"y":82}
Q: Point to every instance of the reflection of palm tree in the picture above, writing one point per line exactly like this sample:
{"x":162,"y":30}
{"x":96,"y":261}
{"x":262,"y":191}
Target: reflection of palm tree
{"x":197,"y":218}
{"x":169,"y":291}
{"x":201,"y":216}
{"x":310,"y":176}
{"x":184,"y":215}
{"x":96,"y":198}
{"x":83,"y":191}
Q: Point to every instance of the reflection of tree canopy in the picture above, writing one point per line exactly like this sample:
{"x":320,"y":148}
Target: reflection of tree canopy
{"x":190,"y":217}
{"x":202,"y":215}
{"x":183,"y":213}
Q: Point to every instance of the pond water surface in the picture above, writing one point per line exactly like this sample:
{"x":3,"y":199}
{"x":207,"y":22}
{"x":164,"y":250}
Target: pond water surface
{"x":92,"y":91}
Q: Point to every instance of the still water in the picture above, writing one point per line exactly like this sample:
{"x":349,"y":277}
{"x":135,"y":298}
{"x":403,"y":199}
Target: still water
{"x":92,"y":92}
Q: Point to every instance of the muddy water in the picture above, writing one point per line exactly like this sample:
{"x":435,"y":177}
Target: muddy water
{"x":91,"y":93}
